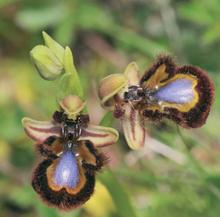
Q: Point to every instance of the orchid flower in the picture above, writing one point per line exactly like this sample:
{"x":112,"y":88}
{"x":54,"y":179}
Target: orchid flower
{"x":66,"y":177}
{"x":183,"y":94}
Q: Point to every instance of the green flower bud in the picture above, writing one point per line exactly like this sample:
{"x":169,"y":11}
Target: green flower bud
{"x":46,"y":62}
{"x":55,"y":47}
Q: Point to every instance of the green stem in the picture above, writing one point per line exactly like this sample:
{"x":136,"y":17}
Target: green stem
{"x":107,"y":120}
{"x":70,"y":70}
{"x":190,"y":156}
{"x":197,"y":166}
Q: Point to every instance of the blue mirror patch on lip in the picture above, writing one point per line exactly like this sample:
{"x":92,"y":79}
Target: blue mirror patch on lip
{"x":66,"y":173}
{"x":178,"y":91}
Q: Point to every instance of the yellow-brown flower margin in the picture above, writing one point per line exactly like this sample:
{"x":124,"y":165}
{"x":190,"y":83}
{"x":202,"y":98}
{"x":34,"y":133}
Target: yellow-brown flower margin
{"x":67,"y":198}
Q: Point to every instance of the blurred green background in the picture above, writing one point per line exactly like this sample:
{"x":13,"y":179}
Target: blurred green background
{"x":165,"y":179}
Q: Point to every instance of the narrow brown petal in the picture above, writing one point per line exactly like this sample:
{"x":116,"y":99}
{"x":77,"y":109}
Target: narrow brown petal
{"x":162,"y":69}
{"x":99,"y":136}
{"x":134,"y":131}
{"x":40,"y":130}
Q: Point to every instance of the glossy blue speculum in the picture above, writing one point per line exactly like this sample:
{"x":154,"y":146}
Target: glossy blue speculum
{"x":178,"y":91}
{"x":66,"y":173}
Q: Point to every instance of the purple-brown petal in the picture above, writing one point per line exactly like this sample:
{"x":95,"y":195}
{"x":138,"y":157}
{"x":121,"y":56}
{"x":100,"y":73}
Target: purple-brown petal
{"x":100,"y":136}
{"x":92,"y":158}
{"x":40,"y":130}
{"x":134,"y":131}
{"x":162,"y":69}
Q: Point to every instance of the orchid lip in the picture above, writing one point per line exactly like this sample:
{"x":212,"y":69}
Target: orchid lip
{"x":66,"y":173}
{"x":179,"y":91}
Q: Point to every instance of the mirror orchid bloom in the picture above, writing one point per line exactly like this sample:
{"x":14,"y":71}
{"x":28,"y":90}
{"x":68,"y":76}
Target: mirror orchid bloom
{"x":69,"y":144}
{"x":183,"y":94}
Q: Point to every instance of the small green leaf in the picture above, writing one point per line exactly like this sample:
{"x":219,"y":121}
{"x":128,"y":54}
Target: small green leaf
{"x":55,"y":47}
